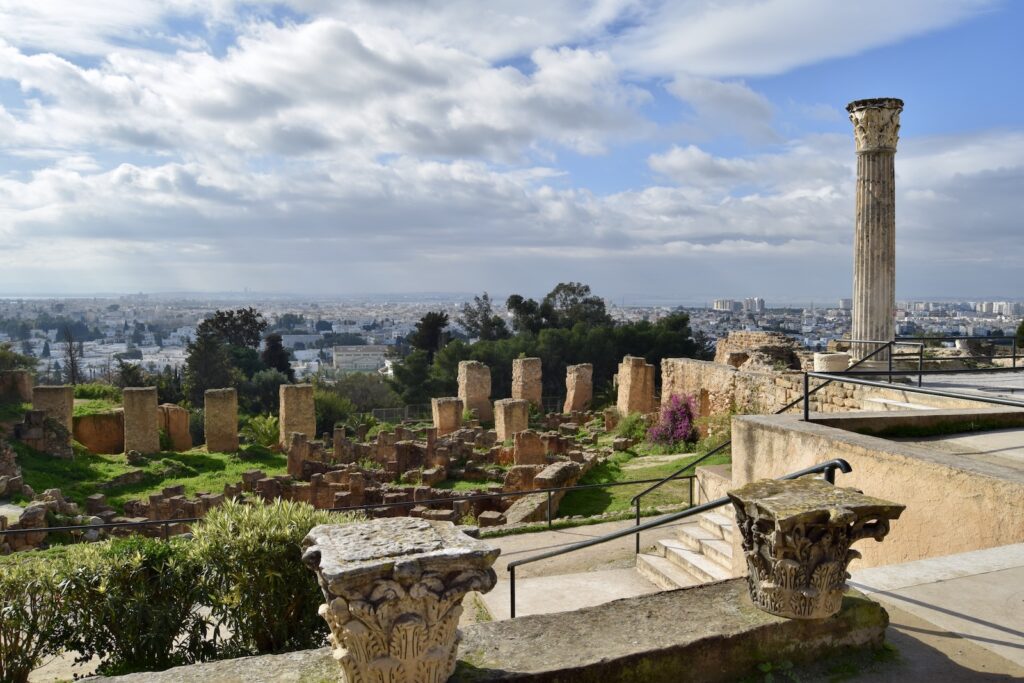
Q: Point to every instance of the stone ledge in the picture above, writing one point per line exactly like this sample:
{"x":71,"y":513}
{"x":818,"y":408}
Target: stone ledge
{"x":706,"y":633}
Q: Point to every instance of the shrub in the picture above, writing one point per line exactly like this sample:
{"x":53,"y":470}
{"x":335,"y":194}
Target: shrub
{"x":97,"y":390}
{"x":632,"y":426}
{"x":330,"y":409}
{"x":33,"y":622}
{"x":261,"y":430}
{"x":197,"y":425}
{"x":258,"y":588}
{"x":676,"y":423}
{"x":133,"y":603}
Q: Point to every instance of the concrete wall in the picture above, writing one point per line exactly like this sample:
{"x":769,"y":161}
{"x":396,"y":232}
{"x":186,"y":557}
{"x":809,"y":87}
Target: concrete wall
{"x":954,"y":503}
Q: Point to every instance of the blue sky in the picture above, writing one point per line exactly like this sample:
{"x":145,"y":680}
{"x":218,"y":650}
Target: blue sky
{"x":679,"y":150}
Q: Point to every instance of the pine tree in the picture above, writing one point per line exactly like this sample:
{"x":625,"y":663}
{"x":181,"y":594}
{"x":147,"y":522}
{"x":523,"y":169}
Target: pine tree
{"x":276,"y":357}
{"x":207,"y":366}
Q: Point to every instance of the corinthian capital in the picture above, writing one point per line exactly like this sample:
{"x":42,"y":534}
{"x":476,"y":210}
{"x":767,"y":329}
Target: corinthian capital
{"x":876,"y":123}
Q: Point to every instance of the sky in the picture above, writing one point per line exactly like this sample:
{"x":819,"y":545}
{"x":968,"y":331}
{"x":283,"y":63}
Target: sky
{"x":681,"y":150}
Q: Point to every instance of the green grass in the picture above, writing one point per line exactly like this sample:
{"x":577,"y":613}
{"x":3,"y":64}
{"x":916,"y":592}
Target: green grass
{"x":13,"y":411}
{"x":196,"y":469}
{"x":616,"y":499}
{"x":460,"y":485}
{"x":94,"y":406}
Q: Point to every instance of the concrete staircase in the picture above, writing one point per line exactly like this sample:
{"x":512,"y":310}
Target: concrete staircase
{"x":700,"y":552}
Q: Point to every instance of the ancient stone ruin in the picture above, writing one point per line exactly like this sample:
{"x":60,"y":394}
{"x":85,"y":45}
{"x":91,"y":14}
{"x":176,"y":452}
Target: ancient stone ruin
{"x":173,"y":421}
{"x":141,"y":432}
{"x":511,"y":415}
{"x":526,"y":380}
{"x":447,"y":414}
{"x":636,"y":386}
{"x":220,"y":416}
{"x":297,"y":412}
{"x":475,"y":389}
{"x":579,"y":387}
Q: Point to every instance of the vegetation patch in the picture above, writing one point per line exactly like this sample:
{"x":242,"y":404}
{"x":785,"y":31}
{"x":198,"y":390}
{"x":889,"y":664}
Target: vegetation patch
{"x":94,"y":406}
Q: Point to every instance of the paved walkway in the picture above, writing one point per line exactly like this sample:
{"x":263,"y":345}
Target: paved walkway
{"x":1000,"y":446}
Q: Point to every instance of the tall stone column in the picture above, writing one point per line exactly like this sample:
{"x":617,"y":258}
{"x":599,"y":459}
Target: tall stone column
{"x":876,"y":125}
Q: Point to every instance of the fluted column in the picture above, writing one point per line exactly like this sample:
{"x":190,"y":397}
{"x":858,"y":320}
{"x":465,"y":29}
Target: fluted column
{"x":876,"y":125}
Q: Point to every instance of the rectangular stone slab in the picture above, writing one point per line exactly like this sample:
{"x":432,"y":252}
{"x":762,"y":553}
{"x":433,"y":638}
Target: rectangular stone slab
{"x":710,"y":633}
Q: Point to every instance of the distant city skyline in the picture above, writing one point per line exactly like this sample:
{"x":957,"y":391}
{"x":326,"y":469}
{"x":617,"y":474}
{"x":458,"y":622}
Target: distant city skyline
{"x":657,"y":151}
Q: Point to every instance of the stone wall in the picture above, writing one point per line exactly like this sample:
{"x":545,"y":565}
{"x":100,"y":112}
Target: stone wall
{"x":475,"y":389}
{"x":15,"y":386}
{"x":220,"y":415}
{"x":752,"y":350}
{"x":297,"y":412}
{"x":526,"y":380}
{"x":58,"y":402}
{"x":510,"y":416}
{"x":954,"y":504}
{"x":579,"y":387}
{"x":173,"y":420}
{"x":447,"y":414}
{"x":101,"y":432}
{"x":141,"y":432}
{"x":636,"y":386}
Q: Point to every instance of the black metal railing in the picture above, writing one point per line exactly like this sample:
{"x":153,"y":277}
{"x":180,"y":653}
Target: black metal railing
{"x":882,"y":346}
{"x":827,"y":469}
{"x":369,"y":507}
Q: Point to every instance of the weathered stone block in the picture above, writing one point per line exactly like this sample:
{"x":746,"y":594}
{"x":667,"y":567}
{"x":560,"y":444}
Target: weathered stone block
{"x":447,"y":414}
{"x":510,"y":416}
{"x":221,"y":420}
{"x":174,"y":421}
{"x":57,"y":402}
{"x":528,"y":448}
{"x":475,"y":388}
{"x":636,"y":386}
{"x":579,"y":387}
{"x":526,"y":380}
{"x":141,"y":431}
{"x":297,"y":412}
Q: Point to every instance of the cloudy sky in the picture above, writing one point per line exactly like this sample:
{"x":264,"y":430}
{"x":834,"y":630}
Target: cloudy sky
{"x":685,"y":149}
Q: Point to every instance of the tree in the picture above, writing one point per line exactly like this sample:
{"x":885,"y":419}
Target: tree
{"x":72,"y":359}
{"x":207,"y":366}
{"x":12,"y":360}
{"x":526,"y":314}
{"x":289,"y":321}
{"x":130,"y":375}
{"x":480,"y":321}
{"x":429,"y":333}
{"x":241,"y":327}
{"x":46,"y":349}
{"x":1020,"y":335}
{"x":412,"y":378}
{"x":276,"y":357}
{"x":323,"y":326}
{"x":571,"y":303}
{"x":266,"y":390}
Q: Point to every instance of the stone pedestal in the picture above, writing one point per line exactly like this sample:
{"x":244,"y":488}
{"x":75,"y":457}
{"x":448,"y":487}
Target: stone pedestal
{"x":220,"y":417}
{"x":475,"y":389}
{"x":141,"y":431}
{"x":579,"y":387}
{"x":510,"y":416}
{"x":447,"y":414}
{"x":831,"y":362}
{"x":393,"y":590}
{"x":297,"y":412}
{"x":526,"y":380}
{"x":796,"y":538}
{"x":876,"y":125}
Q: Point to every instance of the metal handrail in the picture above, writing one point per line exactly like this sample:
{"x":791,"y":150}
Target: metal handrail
{"x":828,"y":469}
{"x":636,"y":499}
{"x":354,"y":508}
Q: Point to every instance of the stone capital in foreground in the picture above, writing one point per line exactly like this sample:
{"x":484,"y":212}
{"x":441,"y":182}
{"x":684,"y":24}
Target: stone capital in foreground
{"x":876,"y":123}
{"x":796,"y":538}
{"x":394,"y":590}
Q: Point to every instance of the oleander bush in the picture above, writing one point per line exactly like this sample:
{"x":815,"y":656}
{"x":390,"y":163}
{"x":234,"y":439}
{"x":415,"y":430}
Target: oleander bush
{"x":676,"y":424}
{"x":134,"y":603}
{"x":33,"y":622}
{"x":258,"y":589}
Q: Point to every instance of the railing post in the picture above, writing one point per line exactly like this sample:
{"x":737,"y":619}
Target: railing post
{"x":1014,"y":351}
{"x":549,"y":509}
{"x":638,"y":524}
{"x":892,"y":348}
{"x":920,"y":363}
{"x":165,"y":531}
{"x":807,"y":398}
{"x":512,"y":592}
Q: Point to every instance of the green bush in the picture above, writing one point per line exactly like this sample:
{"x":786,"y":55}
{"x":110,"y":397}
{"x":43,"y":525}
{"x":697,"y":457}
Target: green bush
{"x":632,"y":426}
{"x":262,"y":430}
{"x":330,"y":409}
{"x":97,"y":390}
{"x":33,"y":621}
{"x":133,"y":603}
{"x":259,"y":590}
{"x":197,"y":425}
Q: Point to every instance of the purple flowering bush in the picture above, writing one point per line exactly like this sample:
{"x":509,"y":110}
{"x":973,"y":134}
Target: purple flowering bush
{"x":675,"y":425}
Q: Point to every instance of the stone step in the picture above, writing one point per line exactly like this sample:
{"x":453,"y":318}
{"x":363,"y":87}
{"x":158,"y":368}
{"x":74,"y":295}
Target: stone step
{"x":700,"y":540}
{"x":891,"y":405}
{"x":718,"y":524}
{"x":663,"y":573}
{"x":697,"y":565}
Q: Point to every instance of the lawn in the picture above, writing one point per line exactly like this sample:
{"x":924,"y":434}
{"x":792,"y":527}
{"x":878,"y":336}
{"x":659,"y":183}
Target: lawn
{"x":93,"y":406}
{"x":617,"y":498}
{"x":196,"y":469}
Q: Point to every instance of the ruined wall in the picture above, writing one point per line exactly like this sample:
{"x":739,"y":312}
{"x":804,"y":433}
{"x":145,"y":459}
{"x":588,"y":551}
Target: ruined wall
{"x":101,"y":432}
{"x":579,"y":387}
{"x":220,"y":416}
{"x":58,"y":402}
{"x":297,"y":412}
{"x":447,"y":414}
{"x":173,"y":420}
{"x":526,"y":380}
{"x":475,"y":389}
{"x":750,"y":350}
{"x":15,"y":386}
{"x":141,"y":431}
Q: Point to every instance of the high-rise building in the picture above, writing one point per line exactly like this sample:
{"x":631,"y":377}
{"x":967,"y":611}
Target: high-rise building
{"x":846,"y":304}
